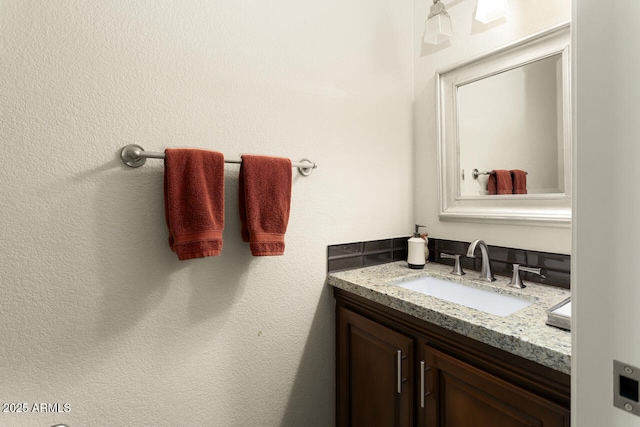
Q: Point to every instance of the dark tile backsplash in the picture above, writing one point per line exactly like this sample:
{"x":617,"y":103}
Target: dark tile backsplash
{"x":556,"y":267}
{"x":348,"y":256}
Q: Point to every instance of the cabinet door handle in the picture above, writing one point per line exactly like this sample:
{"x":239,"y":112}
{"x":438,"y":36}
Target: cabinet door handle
{"x":399,"y":362}
{"x":422,"y":383}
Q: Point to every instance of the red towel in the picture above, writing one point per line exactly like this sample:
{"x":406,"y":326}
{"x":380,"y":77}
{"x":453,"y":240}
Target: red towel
{"x":500,"y":182}
{"x":519,"y":181}
{"x":194,"y":202}
{"x":265,"y":200}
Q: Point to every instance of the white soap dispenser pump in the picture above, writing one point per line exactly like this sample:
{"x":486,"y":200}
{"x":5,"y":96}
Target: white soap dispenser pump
{"x":416,"y":258}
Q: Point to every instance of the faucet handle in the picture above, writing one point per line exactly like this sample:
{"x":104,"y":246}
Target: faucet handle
{"x":516,"y":281}
{"x":457,"y":268}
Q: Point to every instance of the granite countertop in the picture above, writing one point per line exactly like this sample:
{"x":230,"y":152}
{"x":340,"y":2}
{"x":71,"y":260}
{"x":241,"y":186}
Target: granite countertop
{"x":523,"y":333}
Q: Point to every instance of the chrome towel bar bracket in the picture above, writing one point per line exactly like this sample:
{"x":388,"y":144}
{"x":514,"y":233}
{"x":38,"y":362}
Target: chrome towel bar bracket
{"x":134,"y":156}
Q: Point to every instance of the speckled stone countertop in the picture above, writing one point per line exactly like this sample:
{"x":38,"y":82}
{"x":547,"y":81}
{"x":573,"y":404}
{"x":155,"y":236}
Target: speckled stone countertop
{"x":523,"y":333}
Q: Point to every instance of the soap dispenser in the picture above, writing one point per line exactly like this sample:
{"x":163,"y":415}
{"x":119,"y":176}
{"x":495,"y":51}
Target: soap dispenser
{"x":416,"y":258}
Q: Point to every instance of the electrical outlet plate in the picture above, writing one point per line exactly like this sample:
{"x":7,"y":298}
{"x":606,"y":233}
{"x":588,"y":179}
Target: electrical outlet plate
{"x":626,"y":380}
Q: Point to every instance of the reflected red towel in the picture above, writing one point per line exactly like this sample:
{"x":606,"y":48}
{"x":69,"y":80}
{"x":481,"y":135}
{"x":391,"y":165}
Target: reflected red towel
{"x":519,"y":181}
{"x":265,"y":200}
{"x":194,"y":201}
{"x":500,"y":182}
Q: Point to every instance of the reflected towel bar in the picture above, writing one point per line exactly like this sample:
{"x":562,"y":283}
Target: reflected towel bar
{"x":134,"y":156}
{"x":476,"y":173}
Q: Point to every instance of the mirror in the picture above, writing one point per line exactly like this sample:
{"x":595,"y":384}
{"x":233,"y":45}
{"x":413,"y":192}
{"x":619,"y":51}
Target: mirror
{"x":530,"y":129}
{"x":508,"y":110}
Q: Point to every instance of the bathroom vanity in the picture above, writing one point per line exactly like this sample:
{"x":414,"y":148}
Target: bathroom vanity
{"x":405,"y":358}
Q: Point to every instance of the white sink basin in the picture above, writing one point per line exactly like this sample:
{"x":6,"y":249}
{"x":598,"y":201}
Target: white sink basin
{"x":480,"y":299}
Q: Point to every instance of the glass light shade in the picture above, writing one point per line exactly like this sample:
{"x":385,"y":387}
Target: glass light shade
{"x":490,"y":10}
{"x":438,"y":26}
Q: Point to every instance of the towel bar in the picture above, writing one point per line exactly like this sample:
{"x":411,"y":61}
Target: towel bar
{"x":134,"y":156}
{"x":477,"y":173}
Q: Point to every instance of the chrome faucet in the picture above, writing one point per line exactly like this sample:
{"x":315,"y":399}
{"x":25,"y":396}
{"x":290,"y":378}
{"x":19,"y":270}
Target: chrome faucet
{"x":485,"y":273}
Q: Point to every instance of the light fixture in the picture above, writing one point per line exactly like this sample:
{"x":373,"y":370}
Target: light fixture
{"x":490,"y":10}
{"x":438,"y":26}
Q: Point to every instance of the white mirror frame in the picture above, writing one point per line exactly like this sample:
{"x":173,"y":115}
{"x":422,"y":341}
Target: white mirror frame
{"x":526,"y":209}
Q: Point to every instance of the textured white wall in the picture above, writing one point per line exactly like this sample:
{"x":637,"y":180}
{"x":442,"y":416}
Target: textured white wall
{"x":470,"y":40}
{"x":606,"y":294}
{"x":95,"y":311}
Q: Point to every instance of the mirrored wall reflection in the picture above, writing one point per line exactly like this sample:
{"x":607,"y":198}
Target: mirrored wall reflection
{"x":513,"y":120}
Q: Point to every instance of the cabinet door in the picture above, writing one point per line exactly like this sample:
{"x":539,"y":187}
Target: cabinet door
{"x":374,"y":373}
{"x":462,"y":396}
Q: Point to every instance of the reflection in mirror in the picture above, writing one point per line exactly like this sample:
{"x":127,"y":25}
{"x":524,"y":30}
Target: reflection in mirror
{"x":508,"y":110}
{"x":529,"y":137}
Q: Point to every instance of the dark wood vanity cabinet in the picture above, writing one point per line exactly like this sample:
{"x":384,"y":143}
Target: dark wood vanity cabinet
{"x":462,"y":395}
{"x":377,"y":365}
{"x":396,"y":370}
